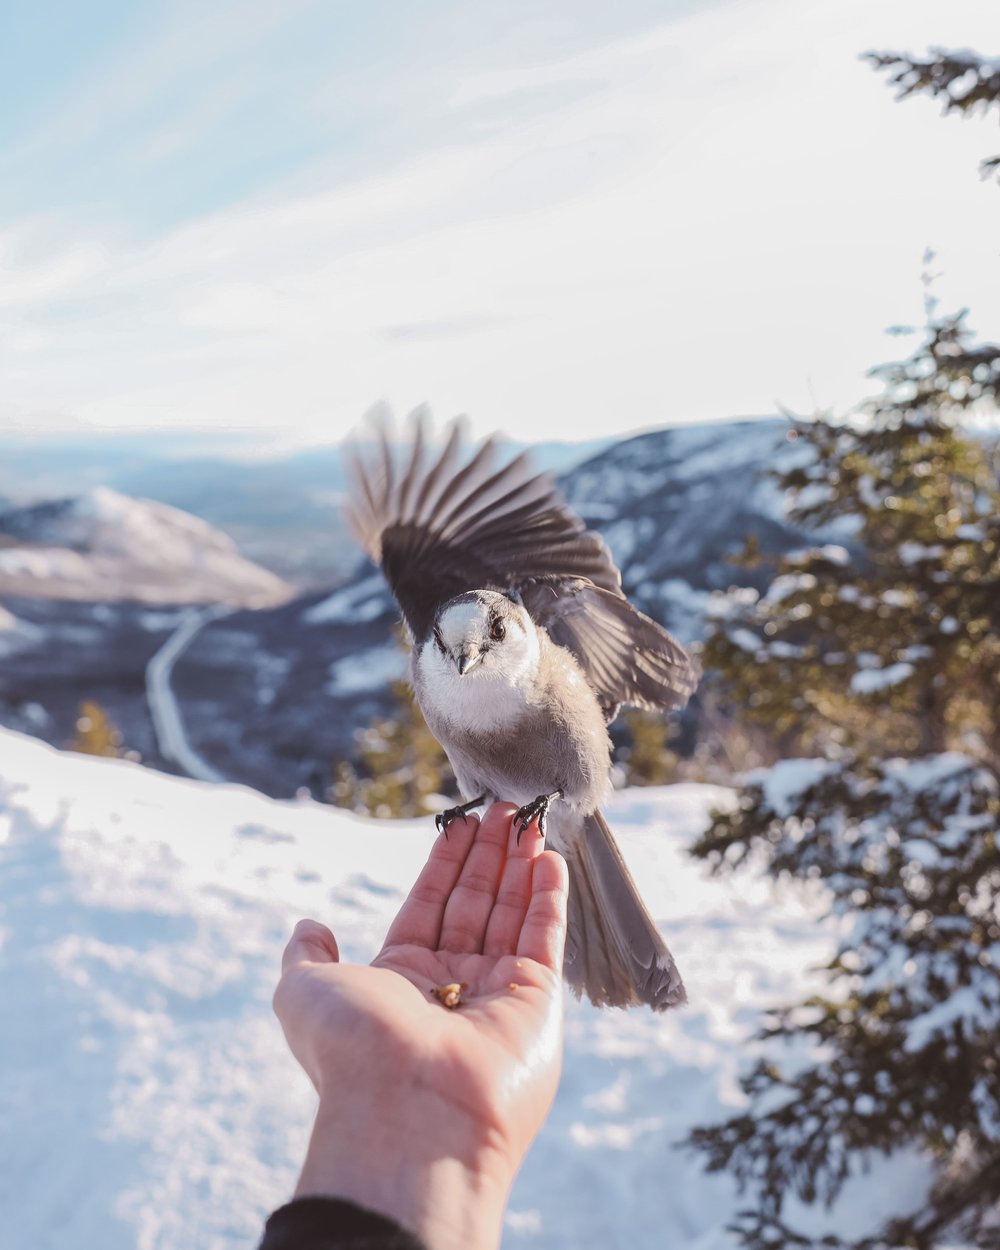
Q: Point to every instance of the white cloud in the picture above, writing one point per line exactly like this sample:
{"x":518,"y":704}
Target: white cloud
{"x":699,"y":221}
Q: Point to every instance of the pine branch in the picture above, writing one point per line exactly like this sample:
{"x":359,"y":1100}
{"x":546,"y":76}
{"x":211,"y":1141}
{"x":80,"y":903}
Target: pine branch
{"x":964,"y":82}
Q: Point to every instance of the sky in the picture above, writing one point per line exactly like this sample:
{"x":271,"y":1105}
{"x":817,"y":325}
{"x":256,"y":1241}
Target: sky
{"x":565,"y":220}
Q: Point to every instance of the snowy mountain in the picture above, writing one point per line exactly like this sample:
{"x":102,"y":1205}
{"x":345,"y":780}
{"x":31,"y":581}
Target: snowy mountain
{"x":281,"y":507}
{"x":146,"y":1094}
{"x":102,"y":545}
{"x":272,"y":696}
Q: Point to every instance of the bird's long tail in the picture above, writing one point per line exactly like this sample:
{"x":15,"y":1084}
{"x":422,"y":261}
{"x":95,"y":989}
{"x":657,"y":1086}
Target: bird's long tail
{"x":614,"y":953}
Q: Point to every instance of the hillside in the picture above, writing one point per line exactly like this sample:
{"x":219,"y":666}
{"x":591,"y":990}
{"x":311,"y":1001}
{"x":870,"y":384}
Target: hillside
{"x":102,"y":545}
{"x":147,"y":1098}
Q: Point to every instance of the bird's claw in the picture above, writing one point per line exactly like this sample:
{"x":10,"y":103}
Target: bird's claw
{"x":443,"y":819}
{"x":536,"y":808}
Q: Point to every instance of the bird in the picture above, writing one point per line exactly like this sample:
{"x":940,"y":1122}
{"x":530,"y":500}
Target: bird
{"x":523,"y":647}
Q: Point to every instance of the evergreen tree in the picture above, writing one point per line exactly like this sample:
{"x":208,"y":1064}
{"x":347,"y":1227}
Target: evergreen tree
{"x":891,"y":646}
{"x":95,"y":733}
{"x":881,"y":657}
{"x":648,"y":759}
{"x":964,"y":83}
{"x":400,"y":767}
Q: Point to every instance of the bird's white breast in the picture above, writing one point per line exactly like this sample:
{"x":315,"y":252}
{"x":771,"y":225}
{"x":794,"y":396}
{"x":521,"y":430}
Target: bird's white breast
{"x":481,"y":701}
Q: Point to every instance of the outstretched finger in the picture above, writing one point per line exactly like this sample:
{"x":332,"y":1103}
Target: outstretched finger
{"x":543,"y":934}
{"x":311,"y":942}
{"x":419,"y":920}
{"x":514,"y":894}
{"x":467,"y":912}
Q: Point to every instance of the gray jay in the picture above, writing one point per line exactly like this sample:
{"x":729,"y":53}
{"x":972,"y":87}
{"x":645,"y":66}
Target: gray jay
{"x":524,"y":647}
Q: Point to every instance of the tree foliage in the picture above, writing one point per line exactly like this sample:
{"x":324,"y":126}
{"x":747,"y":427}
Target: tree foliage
{"x":890,"y":639}
{"x":964,"y":82}
{"x":907,"y":1030}
{"x":401,"y":769}
{"x":647,"y":757}
{"x":878,"y":654}
{"x":95,"y":733}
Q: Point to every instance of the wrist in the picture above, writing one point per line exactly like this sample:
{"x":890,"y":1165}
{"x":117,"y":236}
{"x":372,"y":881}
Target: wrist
{"x":448,"y":1189}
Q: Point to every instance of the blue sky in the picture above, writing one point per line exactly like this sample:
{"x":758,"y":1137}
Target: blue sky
{"x":154,"y":113}
{"x":561,"y":218}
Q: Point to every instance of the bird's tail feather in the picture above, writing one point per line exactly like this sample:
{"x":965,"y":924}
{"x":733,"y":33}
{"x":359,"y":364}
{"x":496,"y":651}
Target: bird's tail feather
{"x":614,"y":953}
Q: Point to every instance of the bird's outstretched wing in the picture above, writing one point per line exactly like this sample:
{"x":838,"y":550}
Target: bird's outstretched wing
{"x":444,"y":523}
{"x":627,"y":657}
{"x":441,"y":525}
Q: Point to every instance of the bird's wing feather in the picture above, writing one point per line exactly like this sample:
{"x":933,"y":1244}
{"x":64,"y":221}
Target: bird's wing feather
{"x":442,"y":526}
{"x":458,"y":522}
{"x":626,"y":657}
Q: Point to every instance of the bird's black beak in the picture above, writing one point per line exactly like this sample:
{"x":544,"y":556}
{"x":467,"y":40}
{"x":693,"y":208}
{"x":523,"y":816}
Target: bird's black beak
{"x":467,"y":659}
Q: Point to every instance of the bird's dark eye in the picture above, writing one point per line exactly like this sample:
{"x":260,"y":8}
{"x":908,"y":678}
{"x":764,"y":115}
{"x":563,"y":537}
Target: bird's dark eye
{"x":498,"y":631}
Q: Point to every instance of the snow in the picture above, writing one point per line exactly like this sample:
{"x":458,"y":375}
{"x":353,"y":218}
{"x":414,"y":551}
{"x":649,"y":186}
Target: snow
{"x":785,"y":781}
{"x":366,"y":600}
{"x":143,"y":529}
{"x":786,"y":584}
{"x":963,"y":1005}
{"x":701,"y":451}
{"x":746,"y":640}
{"x":626,"y":535}
{"x":43,"y":563}
{"x":913,"y":553}
{"x":373,"y":670}
{"x":725,"y":604}
{"x":870,"y":680}
{"x":15,"y":634}
{"x":103,"y":539}
{"x":147,"y":1097}
{"x":684,"y":606}
{"x":926,"y":773}
{"x":833,"y":553}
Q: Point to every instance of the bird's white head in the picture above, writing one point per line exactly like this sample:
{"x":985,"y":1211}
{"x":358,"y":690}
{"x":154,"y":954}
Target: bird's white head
{"x":482,"y":638}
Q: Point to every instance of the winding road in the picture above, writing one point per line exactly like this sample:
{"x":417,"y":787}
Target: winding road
{"x":167,"y":723}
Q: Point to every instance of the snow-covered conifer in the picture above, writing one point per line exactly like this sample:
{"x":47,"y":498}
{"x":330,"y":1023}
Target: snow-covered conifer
{"x":877,"y":652}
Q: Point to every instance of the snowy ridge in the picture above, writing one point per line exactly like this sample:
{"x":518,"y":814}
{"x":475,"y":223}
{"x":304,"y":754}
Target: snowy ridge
{"x":104,"y":545}
{"x":141,"y":924}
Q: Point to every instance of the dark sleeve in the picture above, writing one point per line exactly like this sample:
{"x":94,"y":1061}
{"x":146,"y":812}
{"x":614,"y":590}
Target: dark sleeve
{"x":333,"y":1224}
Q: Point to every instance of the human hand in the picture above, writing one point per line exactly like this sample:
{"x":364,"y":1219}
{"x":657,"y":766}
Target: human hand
{"x":425,"y":1113}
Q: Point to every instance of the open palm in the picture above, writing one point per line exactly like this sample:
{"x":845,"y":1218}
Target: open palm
{"x":474,"y":1082}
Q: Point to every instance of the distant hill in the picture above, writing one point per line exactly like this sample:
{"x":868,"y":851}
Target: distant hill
{"x":102,"y":545}
{"x":282,"y":509}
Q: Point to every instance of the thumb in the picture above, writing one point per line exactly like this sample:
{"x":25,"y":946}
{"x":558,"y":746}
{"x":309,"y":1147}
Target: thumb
{"x":310,"y":943}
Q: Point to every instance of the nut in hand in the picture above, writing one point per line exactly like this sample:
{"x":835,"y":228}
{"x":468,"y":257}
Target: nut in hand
{"x":450,"y":995}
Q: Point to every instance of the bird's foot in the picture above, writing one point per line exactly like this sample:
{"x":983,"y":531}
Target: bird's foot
{"x":536,"y":808}
{"x":444,"y":819}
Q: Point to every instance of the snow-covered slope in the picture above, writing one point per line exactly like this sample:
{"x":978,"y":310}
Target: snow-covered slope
{"x":104,"y":545}
{"x":147,"y":1099}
